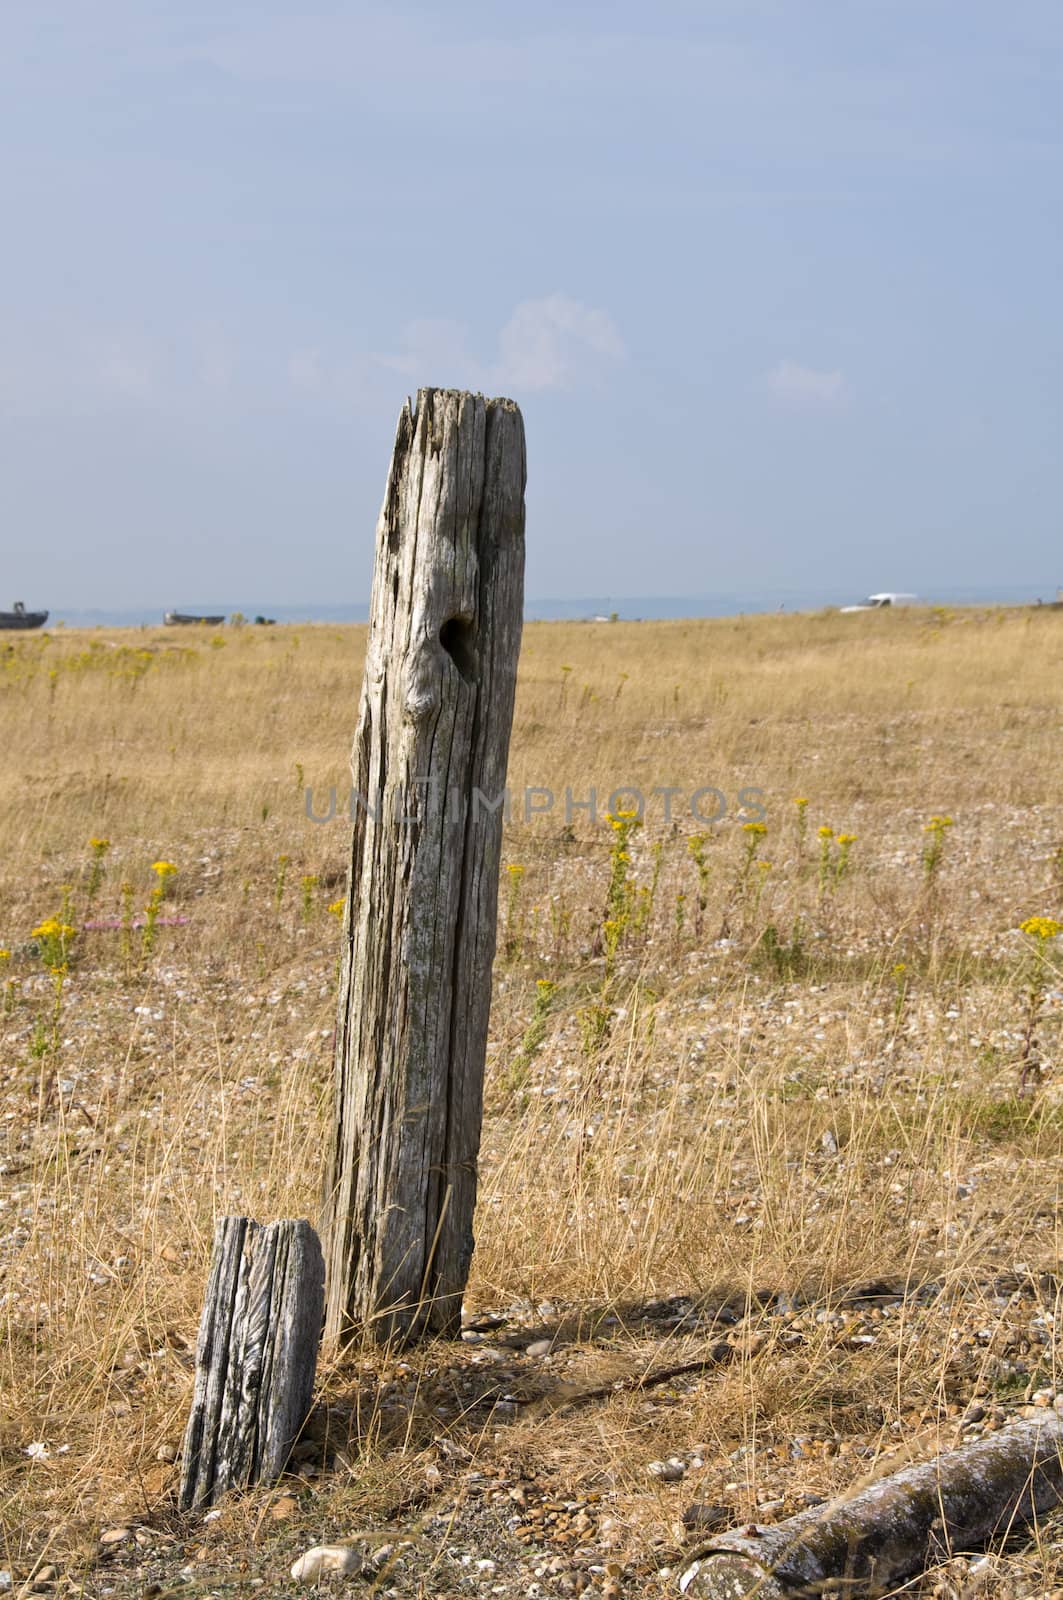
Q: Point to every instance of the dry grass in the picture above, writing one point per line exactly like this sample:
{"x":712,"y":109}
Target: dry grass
{"x":730,"y":1122}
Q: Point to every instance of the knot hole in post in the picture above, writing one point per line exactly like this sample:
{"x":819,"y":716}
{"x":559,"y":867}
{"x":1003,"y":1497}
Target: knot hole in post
{"x":458,"y":638}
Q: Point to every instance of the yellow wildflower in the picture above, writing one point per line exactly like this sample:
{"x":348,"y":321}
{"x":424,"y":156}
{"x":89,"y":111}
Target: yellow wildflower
{"x":1043,"y":928}
{"x":825,"y":832}
{"x":621,"y":820}
{"x":755,"y":828}
{"x":163,"y":870}
{"x":338,"y":907}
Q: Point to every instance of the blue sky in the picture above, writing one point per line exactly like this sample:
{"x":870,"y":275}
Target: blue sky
{"x":775,"y":282}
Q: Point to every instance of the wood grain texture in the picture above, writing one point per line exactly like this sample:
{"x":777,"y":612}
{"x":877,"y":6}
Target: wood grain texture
{"x":256,"y":1356}
{"x":429,"y":760}
{"x":895,"y":1527}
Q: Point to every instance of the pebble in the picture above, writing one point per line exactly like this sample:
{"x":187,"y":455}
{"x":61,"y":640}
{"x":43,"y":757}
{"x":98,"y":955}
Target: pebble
{"x":166,"y":1452}
{"x":539,"y":1347}
{"x":704,"y":1517}
{"x":669,"y":1471}
{"x":342,"y":1558}
{"x":111,"y":1536}
{"x":484,"y":1323}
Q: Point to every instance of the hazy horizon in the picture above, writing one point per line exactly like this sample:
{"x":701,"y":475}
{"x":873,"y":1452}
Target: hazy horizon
{"x":557,"y":608}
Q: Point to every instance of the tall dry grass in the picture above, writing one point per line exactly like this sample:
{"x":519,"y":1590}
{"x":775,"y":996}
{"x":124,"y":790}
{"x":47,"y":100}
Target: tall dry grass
{"x":697,"y":1107}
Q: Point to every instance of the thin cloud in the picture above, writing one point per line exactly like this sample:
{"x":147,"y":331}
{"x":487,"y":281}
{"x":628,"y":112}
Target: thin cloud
{"x":434,"y":348}
{"x":808,"y":388}
{"x":125,"y":373}
{"x":549,"y":343}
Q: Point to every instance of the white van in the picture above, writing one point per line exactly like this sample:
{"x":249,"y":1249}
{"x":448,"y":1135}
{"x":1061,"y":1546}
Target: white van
{"x":879,"y":602}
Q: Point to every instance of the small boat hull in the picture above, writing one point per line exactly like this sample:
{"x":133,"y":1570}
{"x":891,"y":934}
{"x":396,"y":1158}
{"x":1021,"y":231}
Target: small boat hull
{"x":181,"y":619}
{"x":22,"y":620}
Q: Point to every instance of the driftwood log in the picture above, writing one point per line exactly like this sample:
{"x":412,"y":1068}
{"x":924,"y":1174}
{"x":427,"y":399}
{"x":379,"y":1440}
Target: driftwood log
{"x":255,"y":1356}
{"x":895,"y":1527}
{"x":429,"y":769}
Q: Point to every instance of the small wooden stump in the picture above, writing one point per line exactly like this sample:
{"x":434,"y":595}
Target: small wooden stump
{"x":894,"y":1527}
{"x":255,"y":1357}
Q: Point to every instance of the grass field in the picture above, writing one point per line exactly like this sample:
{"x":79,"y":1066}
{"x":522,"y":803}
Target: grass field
{"x":747,"y":1081}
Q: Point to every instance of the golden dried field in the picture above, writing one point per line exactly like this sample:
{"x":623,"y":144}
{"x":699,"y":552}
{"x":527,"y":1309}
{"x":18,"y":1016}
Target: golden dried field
{"x":773,"y":1142}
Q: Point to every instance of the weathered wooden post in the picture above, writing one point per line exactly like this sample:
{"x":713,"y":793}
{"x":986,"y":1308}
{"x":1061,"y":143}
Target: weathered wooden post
{"x":429,"y":769}
{"x":255,"y":1357}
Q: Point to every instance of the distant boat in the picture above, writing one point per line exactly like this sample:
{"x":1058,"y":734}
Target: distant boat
{"x":176,"y":619}
{"x":19,"y":617}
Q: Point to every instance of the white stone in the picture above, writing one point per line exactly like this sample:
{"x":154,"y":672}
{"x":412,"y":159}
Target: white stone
{"x":342,"y":1558}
